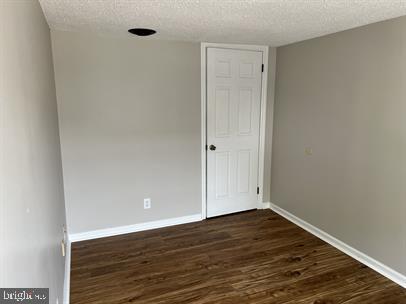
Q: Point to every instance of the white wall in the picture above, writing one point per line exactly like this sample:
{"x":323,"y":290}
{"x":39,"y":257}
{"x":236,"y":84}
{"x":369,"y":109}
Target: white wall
{"x":31,"y":192}
{"x":344,"y":96}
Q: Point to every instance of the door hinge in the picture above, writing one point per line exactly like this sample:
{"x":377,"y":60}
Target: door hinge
{"x":262,"y":68}
{"x":206,"y":147}
{"x":257,"y":190}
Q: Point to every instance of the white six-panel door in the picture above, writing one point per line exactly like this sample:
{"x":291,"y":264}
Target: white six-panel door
{"x":233,"y":122}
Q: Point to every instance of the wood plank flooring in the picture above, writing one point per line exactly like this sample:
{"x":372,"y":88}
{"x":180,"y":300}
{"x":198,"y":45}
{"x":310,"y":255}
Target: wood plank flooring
{"x":251,"y":257}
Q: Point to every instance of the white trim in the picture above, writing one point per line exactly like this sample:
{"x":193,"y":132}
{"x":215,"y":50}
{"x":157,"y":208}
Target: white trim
{"x":266,"y":205}
{"x":203,"y":126}
{"x":262,"y":127}
{"x":66,"y":283}
{"x":384,"y":270}
{"x":100,"y":233}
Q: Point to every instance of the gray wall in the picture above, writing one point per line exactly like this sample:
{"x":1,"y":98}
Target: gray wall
{"x":344,"y":95}
{"x":129,"y":114}
{"x":31,"y":193}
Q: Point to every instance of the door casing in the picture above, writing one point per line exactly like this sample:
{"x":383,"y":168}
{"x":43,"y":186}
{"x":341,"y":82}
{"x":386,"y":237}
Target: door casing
{"x":262,"y":127}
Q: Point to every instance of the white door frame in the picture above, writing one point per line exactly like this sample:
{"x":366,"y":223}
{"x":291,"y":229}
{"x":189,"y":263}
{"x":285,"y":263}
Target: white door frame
{"x":264,"y":90}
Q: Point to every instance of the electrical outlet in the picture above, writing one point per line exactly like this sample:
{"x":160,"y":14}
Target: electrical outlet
{"x":147,"y":203}
{"x":308,"y":151}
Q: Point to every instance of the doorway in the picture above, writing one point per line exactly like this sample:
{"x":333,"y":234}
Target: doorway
{"x":233,"y":102}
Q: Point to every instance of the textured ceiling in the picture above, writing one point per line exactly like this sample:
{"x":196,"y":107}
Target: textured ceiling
{"x":267,"y":22}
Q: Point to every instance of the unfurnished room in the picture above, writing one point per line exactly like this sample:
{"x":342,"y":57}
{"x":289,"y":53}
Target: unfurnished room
{"x":203,"y":151}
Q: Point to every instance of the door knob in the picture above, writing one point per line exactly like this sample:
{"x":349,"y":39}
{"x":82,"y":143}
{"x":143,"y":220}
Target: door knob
{"x":212,"y":147}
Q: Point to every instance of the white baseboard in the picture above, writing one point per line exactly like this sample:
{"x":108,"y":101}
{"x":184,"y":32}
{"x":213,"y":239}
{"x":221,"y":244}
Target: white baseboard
{"x":66,"y":283}
{"x":352,"y":252}
{"x":266,"y":205}
{"x":100,"y":233}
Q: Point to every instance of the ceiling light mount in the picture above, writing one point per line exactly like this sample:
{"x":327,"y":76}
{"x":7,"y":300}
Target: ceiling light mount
{"x":142,"y":31}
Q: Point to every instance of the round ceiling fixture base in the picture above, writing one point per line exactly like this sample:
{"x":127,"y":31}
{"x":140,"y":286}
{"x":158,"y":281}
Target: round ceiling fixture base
{"x":142,"y":31}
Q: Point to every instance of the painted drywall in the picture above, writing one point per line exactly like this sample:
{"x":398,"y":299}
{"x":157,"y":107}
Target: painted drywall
{"x":343,"y":96}
{"x":129,"y":114}
{"x":269,"y":124}
{"x":31,"y":195}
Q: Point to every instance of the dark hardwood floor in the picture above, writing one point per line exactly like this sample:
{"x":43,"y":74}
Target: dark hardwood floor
{"x":252,"y":257}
